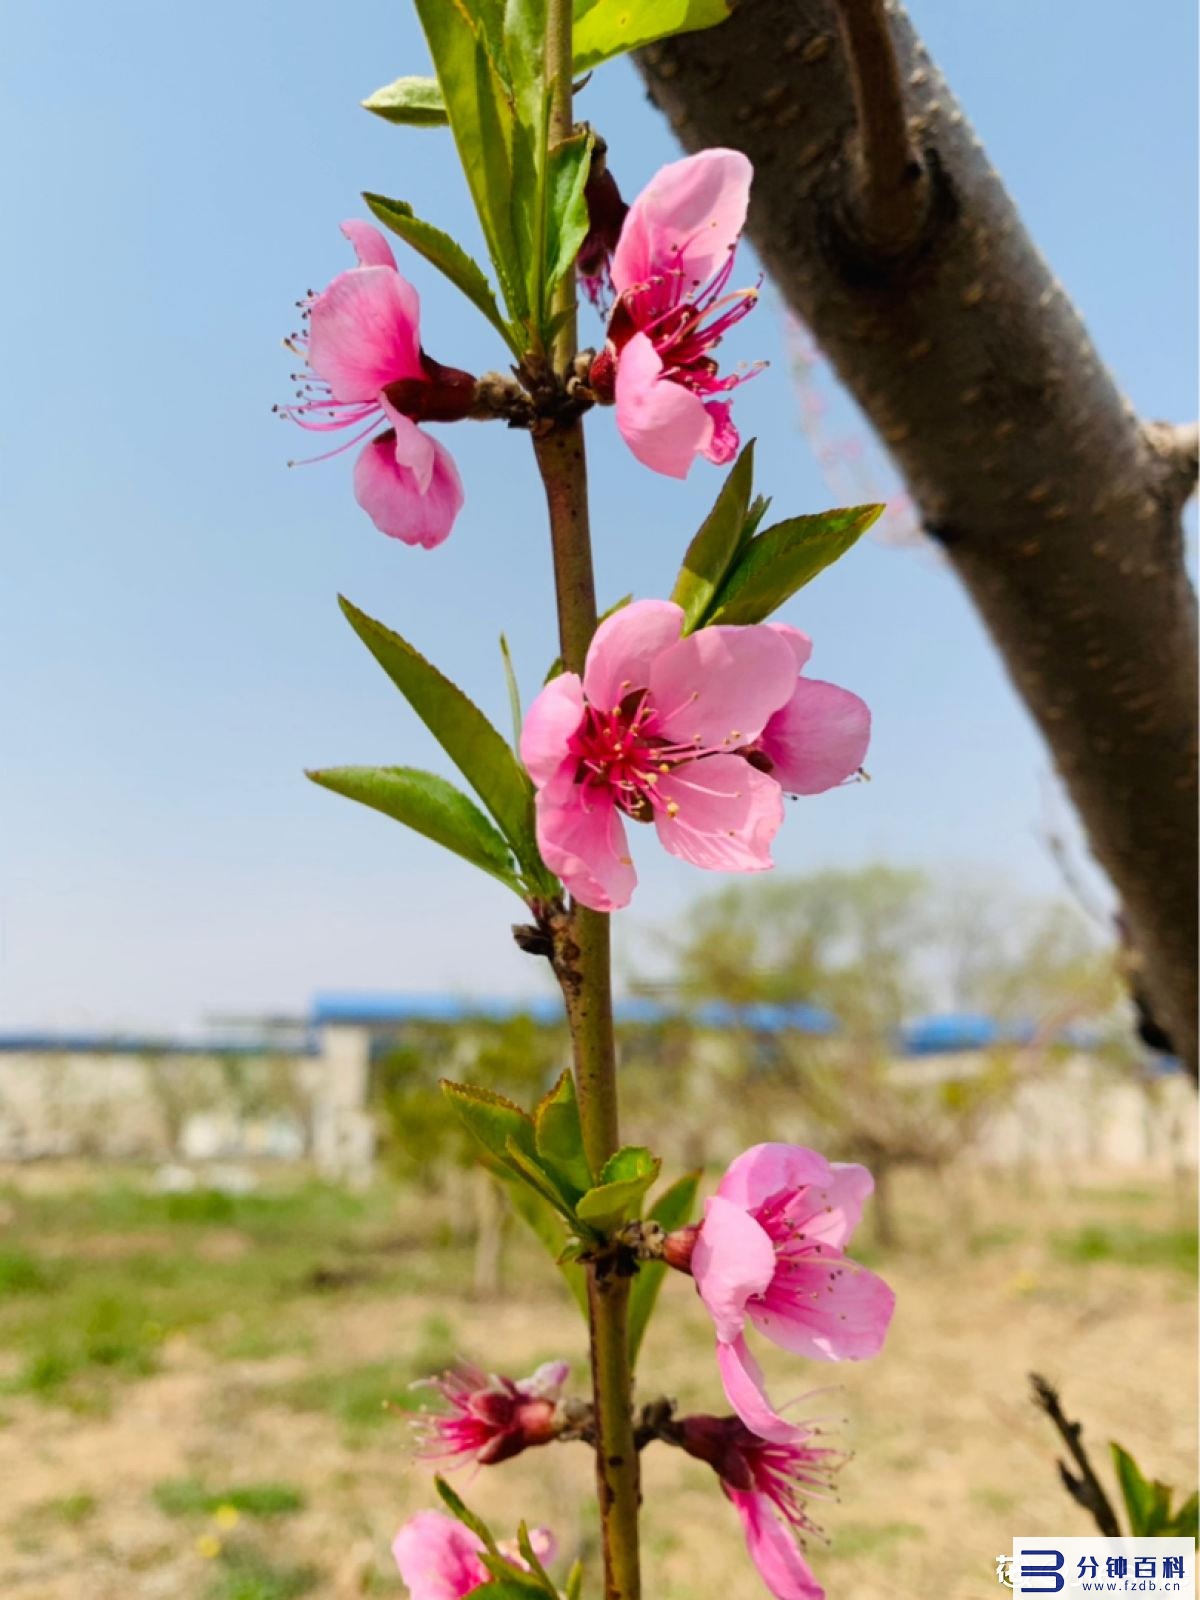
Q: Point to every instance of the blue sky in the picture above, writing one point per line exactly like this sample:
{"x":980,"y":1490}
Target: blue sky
{"x":171,"y":650}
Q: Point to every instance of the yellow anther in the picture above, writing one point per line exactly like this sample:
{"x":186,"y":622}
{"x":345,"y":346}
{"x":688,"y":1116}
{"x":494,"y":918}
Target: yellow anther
{"x":672,"y":808}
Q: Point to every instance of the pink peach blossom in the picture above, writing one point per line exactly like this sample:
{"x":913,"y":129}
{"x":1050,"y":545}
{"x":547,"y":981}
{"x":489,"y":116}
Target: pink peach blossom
{"x":770,"y":1252}
{"x":670,"y":272}
{"x":366,"y":366}
{"x":765,"y":1481}
{"x":439,"y":1559}
{"x":820,"y":737}
{"x":656,"y":731}
{"x":493,"y":1418}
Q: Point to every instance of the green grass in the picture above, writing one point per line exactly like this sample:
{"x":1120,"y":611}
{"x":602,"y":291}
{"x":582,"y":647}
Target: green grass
{"x":71,"y":1510}
{"x":862,"y":1538}
{"x":23,"y":1273}
{"x":1128,"y":1245}
{"x":188,"y":1497}
{"x":244,"y":1573}
{"x":359,"y":1397}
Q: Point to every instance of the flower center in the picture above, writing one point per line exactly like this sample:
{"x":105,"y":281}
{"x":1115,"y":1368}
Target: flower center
{"x":619,"y":751}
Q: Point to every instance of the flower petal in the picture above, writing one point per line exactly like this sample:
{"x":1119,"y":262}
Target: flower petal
{"x":719,"y":687}
{"x":685,"y":222}
{"x":828,"y":1212}
{"x":438,"y":1558}
{"x":624,"y":647}
{"x":742,"y":1380}
{"x":825,"y":1309}
{"x":371,"y":248}
{"x":581,"y":838}
{"x":773,"y":1549}
{"x":726,"y":440}
{"x":414,"y":448}
{"x":727,"y":813}
{"x":800,"y":643}
{"x":818,"y":739}
{"x":389,"y":494}
{"x":732,"y":1261}
{"x":766,"y":1170}
{"x":664,"y":424}
{"x":549,"y":723}
{"x":363,"y":332}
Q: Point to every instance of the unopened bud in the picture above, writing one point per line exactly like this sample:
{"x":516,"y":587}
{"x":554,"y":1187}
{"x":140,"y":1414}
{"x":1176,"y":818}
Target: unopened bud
{"x":678,"y":1246}
{"x":440,"y":394}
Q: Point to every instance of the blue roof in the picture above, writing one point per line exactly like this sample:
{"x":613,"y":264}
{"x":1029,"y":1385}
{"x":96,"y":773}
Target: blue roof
{"x":140,"y":1044}
{"x":367,"y":1009}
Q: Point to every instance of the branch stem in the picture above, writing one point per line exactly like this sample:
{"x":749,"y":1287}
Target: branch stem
{"x":581,"y":953}
{"x":1086,"y":1488}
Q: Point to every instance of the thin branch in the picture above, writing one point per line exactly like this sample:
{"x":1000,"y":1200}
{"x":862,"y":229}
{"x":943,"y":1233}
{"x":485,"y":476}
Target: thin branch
{"x":893,"y":190}
{"x":1086,"y":1489}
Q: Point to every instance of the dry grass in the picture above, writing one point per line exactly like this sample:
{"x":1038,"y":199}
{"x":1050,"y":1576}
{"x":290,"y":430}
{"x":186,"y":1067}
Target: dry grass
{"x":191,"y":1396}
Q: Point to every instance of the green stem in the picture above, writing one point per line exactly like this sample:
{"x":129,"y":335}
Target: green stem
{"x":582,"y":956}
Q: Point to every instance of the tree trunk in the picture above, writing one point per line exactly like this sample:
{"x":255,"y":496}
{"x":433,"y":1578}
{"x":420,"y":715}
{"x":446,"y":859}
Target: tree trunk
{"x":1058,"y":509}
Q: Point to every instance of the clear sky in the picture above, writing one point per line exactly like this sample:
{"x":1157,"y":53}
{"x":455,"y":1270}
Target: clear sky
{"x":170,"y":649}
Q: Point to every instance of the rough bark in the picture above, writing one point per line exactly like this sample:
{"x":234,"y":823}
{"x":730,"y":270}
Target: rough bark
{"x":1058,"y":508}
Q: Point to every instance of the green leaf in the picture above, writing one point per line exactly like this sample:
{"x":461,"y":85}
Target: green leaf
{"x":514,"y":691}
{"x":620,"y":1188}
{"x":413,"y":102}
{"x":1186,"y":1521}
{"x":784,"y":558}
{"x":672,"y":1209}
{"x":607,"y":28}
{"x":538,"y":1178}
{"x":467,"y":50}
{"x":494,"y":1121}
{"x":530,"y":1556}
{"x":545,"y":1221}
{"x":1138,"y":1494}
{"x":461,"y":1512}
{"x":568,"y":165}
{"x":573,"y":1587}
{"x":485,"y":760}
{"x":559,"y":1137}
{"x":431,"y":806}
{"x":714,"y":549}
{"x":512,"y":1587}
{"x":447,"y":255}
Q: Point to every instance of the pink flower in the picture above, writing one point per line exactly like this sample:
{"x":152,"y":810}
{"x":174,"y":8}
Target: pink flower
{"x":363,"y":348}
{"x":769,"y":1251}
{"x":764,"y":1481}
{"x":493,"y":1418}
{"x":670,"y":270}
{"x":657,"y":731}
{"x":819,"y":738}
{"x":439,"y":1559}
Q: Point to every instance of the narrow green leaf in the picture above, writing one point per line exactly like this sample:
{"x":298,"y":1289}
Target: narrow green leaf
{"x":485,"y":760}
{"x":430,"y":806}
{"x":621,"y":1187}
{"x":1186,"y":1521}
{"x":568,"y":165}
{"x":573,"y":1587}
{"x":1137,"y":1493}
{"x":546,"y":1223}
{"x":514,"y":691}
{"x":495,"y":1121}
{"x":461,"y":1512}
{"x":413,"y":102}
{"x":510,"y":1587}
{"x":672,"y":1209}
{"x":559,"y":1137}
{"x":784,"y":558}
{"x":607,"y":28}
{"x":447,"y":255}
{"x":715,"y":547}
{"x":530,"y":1168}
{"x":530,"y":1556}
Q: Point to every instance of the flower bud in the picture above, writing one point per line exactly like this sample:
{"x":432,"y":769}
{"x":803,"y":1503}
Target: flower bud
{"x":440,"y":394}
{"x":678,"y":1246}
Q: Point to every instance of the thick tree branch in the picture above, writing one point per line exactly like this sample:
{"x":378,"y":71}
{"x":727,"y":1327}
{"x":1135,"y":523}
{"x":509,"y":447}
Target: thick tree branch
{"x":1058,"y":509}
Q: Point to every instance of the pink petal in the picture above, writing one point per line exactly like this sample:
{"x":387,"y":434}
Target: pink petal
{"x":546,"y":1383}
{"x":766,"y":1170}
{"x":726,"y":440}
{"x":800,"y":642}
{"x":818,"y":739}
{"x":728,"y":814}
{"x":773,"y":1549}
{"x":549,"y":723}
{"x":371,"y":248}
{"x":581,"y":838}
{"x":625,"y":645}
{"x":414,"y":448}
{"x":438,"y":1558}
{"x":363,"y":332}
{"x":827,"y":1310}
{"x":733,"y":1260}
{"x":742,"y":1380}
{"x":664,"y":424}
{"x":685,"y":222}
{"x":719,"y":687}
{"x":389,"y":494}
{"x":829,"y":1211}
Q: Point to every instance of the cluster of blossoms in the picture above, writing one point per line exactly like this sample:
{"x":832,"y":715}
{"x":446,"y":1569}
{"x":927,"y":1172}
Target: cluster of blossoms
{"x":668,"y":258}
{"x":770,"y":1251}
{"x":702,"y":735}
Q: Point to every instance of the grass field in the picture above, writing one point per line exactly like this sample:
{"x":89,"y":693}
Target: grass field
{"x":202,"y":1397}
